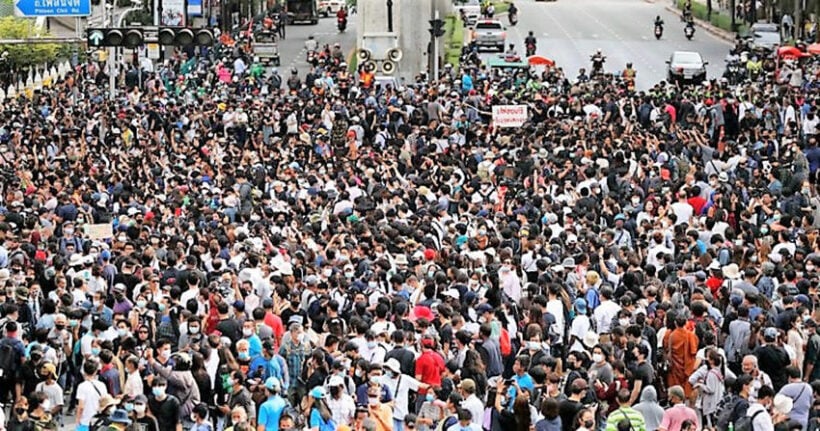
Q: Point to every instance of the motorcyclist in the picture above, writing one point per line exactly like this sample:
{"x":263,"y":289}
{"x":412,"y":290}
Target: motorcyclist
{"x":337,"y":53}
{"x":294,"y":83}
{"x":530,"y":39}
{"x":629,"y":73}
{"x":687,"y":11}
{"x":341,"y":15}
{"x":275,"y":81}
{"x":512,"y":9}
{"x":511,"y":53}
{"x":311,"y":44}
{"x":658,"y":21}
{"x":597,"y":62}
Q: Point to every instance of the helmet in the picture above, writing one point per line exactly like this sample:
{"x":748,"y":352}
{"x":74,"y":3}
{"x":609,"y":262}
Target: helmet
{"x":628,"y":64}
{"x":310,"y":37}
{"x":294,"y":71}
{"x":530,"y":32}
{"x":275,"y":71}
{"x":599,"y":50}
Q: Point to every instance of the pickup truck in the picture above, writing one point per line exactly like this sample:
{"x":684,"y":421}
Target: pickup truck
{"x":469,"y":10}
{"x":265,"y":48}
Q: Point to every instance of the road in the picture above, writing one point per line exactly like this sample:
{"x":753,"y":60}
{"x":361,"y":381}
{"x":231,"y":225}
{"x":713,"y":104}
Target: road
{"x":569,"y":31}
{"x":292,"y":49}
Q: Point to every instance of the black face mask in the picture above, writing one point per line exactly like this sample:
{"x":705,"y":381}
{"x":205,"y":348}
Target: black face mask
{"x":19,"y":410}
{"x":59,"y":327}
{"x":588,"y":424}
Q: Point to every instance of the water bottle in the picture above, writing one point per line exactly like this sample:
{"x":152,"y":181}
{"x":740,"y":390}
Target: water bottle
{"x":731,"y":427}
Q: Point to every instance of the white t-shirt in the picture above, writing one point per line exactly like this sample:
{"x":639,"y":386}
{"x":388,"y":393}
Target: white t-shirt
{"x":580,"y":326}
{"x":400,"y":389}
{"x":53,"y":392}
{"x":90,"y":392}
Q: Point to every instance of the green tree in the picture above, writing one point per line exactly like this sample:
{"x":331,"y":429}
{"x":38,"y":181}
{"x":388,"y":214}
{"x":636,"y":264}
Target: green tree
{"x":25,"y":55}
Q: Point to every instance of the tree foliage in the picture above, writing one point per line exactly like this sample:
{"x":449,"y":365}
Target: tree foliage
{"x":25,"y":55}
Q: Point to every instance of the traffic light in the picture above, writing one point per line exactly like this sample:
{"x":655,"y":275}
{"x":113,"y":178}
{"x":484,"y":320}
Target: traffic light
{"x":127,"y":37}
{"x":437,"y":27}
{"x":183,"y":36}
{"x":132,"y":37}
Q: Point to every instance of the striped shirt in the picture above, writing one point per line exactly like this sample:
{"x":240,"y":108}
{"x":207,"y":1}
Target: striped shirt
{"x":636,"y":420}
{"x":294,"y":355}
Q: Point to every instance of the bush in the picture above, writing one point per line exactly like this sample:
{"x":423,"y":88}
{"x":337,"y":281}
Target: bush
{"x":720,"y":20}
{"x":454,"y":39}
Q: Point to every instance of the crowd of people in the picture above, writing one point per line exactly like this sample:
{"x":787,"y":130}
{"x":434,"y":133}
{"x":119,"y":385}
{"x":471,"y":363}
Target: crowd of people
{"x":223,"y":248}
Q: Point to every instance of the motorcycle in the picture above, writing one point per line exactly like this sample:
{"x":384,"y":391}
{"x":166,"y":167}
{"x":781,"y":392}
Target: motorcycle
{"x":597,"y":65}
{"x":341,"y":23}
{"x":689,"y":31}
{"x":513,"y":18}
{"x":658,"y":31}
{"x":311,"y":58}
{"x":530,"y":49}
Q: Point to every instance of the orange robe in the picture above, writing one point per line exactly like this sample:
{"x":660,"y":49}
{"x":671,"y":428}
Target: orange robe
{"x":683,"y":346}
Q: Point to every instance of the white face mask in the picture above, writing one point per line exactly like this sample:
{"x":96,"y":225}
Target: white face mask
{"x":193,"y":329}
{"x":247,"y":332}
{"x":139,"y":408}
{"x":597,"y":357}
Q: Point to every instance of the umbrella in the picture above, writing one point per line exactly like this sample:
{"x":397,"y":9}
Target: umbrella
{"x":813,"y":48}
{"x":789,"y":51}
{"x":537,"y":60}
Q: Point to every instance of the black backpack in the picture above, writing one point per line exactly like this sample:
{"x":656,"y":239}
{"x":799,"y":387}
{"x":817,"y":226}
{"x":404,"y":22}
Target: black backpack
{"x":746,"y":423}
{"x":8,"y":360}
{"x":727,"y":408}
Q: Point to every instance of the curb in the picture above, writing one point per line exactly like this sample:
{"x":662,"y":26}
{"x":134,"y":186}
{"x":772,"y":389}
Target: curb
{"x":720,"y":33}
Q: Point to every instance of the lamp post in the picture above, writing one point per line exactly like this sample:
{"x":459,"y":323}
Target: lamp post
{"x":390,"y":15}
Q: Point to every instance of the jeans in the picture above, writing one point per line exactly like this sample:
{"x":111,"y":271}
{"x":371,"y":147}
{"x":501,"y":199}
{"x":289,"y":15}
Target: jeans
{"x":398,"y":425}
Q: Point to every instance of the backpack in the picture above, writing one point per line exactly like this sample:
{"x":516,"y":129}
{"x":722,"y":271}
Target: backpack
{"x":727,"y":407}
{"x":8,"y":361}
{"x":702,"y":327}
{"x":746,"y":423}
{"x":299,"y":421}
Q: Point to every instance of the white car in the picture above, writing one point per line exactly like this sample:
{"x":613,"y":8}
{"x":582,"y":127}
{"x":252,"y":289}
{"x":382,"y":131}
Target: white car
{"x":471,"y":10}
{"x":329,"y":7}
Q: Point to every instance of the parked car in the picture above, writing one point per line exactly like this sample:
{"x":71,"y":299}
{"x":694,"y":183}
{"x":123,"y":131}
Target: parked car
{"x":686,"y":66}
{"x":765,"y":35}
{"x":490,"y":33}
{"x":471,"y":10}
{"x":329,"y":7}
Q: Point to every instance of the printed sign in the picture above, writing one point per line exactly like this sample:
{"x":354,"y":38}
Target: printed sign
{"x":509,"y":115}
{"x":99,"y":231}
{"x":173,"y":13}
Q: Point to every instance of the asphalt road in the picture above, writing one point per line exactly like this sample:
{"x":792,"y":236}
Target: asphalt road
{"x":292,"y":49}
{"x":570,"y":31}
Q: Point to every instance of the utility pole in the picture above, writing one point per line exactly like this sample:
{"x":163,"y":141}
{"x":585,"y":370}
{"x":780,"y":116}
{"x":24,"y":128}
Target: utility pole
{"x":112,"y":51}
{"x":436,"y":31}
{"x":732,"y":13}
{"x":390,"y":16}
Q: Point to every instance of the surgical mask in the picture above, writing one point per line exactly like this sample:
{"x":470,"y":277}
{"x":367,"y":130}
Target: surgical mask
{"x":96,"y":304}
{"x":161,"y":308}
{"x":247,"y":332}
{"x":390,"y":374}
{"x":430,"y":398}
{"x":190,"y":241}
{"x":141,"y":304}
{"x":164,"y":353}
{"x":764,"y":230}
{"x":327,"y":272}
{"x":373,"y":400}
{"x":597,"y":357}
{"x":73,"y":323}
{"x":244,"y":356}
{"x":68,"y":231}
{"x":129,"y":407}
{"x":348,"y":275}
{"x":193,"y":329}
{"x":122,"y":332}
{"x":623,"y":322}
{"x":359,"y":372}
{"x":373,"y":284}
{"x":636,"y":201}
{"x":95,"y":351}
{"x":139,"y":408}
{"x":809,"y":268}
{"x":158,"y":391}
{"x":371,"y":345}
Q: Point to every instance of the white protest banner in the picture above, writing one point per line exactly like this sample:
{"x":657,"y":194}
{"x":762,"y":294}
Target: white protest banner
{"x":509,"y":115}
{"x":99,"y":231}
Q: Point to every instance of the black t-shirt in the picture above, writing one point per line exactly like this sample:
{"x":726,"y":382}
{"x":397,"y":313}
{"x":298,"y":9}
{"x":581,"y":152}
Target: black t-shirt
{"x":644,"y":373}
{"x":166,"y":412}
{"x":290,"y":312}
{"x":568,"y":409}
{"x":230,"y":328}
